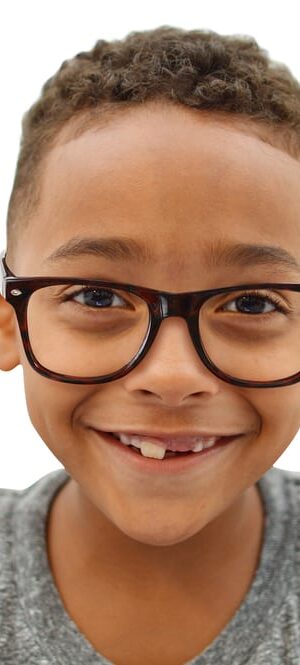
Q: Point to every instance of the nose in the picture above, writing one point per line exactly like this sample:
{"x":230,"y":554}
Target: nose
{"x":172,"y":371}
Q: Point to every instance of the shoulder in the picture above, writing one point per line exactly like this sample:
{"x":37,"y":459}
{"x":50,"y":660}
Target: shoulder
{"x":9,"y":499}
{"x":282,"y":483}
{"x":281,"y":493}
{"x":23,"y":561}
{"x":22,"y":514}
{"x":39,"y":493}
{"x":288,"y":483}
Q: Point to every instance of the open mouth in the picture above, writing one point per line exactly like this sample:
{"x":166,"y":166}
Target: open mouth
{"x":161,"y":453}
{"x":151,"y":461}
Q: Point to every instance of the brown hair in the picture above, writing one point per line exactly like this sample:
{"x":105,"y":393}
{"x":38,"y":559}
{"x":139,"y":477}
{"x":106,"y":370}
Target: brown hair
{"x":199,"y":69}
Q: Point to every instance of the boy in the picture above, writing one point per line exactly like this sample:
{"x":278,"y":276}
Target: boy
{"x":154,"y":229}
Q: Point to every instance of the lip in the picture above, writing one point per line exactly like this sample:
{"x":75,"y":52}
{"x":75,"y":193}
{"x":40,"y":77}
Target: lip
{"x":170,"y":466}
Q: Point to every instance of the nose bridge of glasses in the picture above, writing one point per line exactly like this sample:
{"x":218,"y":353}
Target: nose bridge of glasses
{"x":180,"y":304}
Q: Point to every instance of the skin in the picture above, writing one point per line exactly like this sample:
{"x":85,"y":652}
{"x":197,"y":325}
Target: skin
{"x":186,"y":549}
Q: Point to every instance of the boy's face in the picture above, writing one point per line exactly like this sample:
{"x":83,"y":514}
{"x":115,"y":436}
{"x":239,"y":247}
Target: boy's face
{"x":177,"y":182}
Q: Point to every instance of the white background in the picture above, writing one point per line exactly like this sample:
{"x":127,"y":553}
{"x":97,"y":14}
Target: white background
{"x":35,"y":38}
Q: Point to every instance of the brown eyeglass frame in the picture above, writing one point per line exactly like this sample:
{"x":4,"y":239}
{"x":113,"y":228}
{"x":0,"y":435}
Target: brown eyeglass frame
{"x":161,"y":305}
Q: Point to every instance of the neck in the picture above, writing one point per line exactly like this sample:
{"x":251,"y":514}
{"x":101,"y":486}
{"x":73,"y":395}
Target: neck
{"x":94,"y":547}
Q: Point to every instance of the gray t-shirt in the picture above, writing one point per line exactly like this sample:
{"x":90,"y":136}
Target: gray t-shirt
{"x":35,"y":628}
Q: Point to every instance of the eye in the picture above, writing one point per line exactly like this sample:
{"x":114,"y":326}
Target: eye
{"x":254,"y":302}
{"x":97,"y":298}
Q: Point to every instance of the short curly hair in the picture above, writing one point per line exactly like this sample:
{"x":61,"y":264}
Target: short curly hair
{"x":200,"y":69}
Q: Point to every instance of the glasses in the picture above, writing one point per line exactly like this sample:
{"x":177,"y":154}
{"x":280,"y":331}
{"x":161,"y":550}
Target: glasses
{"x":85,"y":331}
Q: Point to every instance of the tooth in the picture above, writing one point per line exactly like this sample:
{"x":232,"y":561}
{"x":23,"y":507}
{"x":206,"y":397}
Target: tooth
{"x":149,"y":449}
{"x":210,"y":442}
{"x":198,"y":447}
{"x":124,"y":438}
{"x":135,"y":441}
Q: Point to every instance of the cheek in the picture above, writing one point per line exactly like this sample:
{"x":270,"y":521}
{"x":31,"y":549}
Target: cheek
{"x":279,"y":412}
{"x":51,"y":406}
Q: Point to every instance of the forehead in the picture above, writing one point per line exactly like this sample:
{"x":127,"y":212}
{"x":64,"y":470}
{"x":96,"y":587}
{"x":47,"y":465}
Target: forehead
{"x":173,"y":178}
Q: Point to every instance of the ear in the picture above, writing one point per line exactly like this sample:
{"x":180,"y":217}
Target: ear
{"x":9,"y":349}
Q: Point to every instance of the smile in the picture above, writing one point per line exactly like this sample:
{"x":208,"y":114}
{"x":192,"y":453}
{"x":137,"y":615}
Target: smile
{"x":146,"y":457}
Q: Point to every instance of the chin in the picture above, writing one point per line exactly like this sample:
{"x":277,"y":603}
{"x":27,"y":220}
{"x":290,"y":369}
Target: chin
{"x":157,"y":534}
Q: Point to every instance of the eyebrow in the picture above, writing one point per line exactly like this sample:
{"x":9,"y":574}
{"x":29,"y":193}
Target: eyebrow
{"x":115,"y":249}
{"x":245,"y":255}
{"x":215,"y":255}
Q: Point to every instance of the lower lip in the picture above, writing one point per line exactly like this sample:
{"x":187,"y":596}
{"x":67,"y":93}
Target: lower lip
{"x":171,"y":465}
